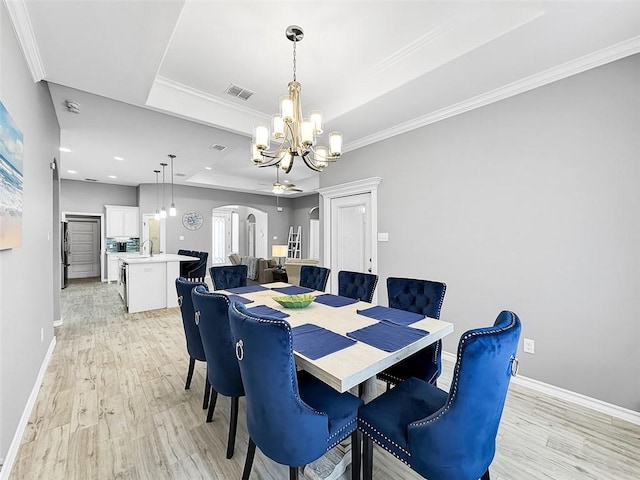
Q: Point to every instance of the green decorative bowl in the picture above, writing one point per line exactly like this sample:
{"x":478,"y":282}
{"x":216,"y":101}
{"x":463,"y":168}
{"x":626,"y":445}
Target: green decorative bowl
{"x":295,"y":301}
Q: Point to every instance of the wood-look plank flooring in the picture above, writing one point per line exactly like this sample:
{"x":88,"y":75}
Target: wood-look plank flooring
{"x":112,"y":405}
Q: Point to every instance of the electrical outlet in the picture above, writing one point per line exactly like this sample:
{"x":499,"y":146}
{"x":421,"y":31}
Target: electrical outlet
{"x":529,"y":346}
{"x":41,"y":335}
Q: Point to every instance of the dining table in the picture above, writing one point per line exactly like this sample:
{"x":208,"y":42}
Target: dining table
{"x":343,"y":342}
{"x":341,"y":320}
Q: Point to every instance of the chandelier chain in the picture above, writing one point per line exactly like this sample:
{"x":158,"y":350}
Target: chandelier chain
{"x":294,"y":59}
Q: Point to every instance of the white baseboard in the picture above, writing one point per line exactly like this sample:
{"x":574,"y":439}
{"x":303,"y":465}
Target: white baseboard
{"x":22,"y":425}
{"x":610,"y":409}
{"x":58,"y":323}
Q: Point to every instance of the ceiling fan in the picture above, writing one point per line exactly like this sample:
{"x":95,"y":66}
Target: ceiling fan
{"x":281,"y":188}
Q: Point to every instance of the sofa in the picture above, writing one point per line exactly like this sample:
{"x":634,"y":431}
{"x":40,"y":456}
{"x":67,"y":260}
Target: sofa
{"x":259,"y":270}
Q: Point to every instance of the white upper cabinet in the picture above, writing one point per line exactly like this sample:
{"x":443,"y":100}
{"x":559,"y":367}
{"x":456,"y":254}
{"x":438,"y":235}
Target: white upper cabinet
{"x":123,"y":221}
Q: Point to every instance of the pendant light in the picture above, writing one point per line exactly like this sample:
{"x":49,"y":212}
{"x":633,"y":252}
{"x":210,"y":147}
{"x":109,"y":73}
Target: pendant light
{"x":157,"y":214}
{"x":163,"y":211}
{"x":172,"y":208}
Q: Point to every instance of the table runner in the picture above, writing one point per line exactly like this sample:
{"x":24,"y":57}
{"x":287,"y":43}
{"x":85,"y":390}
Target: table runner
{"x":292,"y":290}
{"x":387,"y":336}
{"x":334,"y":300}
{"x":264,"y":310}
{"x":401,"y":317}
{"x":247,"y":289}
{"x":238,"y":298}
{"x":316,"y":342}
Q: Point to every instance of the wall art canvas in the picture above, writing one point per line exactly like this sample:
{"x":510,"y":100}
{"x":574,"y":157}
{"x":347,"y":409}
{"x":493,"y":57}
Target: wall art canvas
{"x":11,"y":169}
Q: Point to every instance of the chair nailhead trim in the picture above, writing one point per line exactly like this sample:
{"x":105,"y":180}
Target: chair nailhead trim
{"x":384,"y":436}
{"x":368,"y":434}
{"x":454,"y":386}
{"x":342,"y":437}
{"x":293,"y":371}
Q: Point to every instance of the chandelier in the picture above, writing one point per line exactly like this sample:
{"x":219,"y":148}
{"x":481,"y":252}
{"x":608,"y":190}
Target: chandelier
{"x":296,"y":136}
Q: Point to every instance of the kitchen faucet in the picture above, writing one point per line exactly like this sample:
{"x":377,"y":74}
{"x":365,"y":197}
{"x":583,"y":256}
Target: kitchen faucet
{"x":150,"y":246}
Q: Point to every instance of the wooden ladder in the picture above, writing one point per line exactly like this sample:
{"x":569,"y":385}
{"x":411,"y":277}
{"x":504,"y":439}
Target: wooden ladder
{"x":293,"y":244}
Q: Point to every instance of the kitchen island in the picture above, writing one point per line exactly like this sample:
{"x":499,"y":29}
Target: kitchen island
{"x":148,"y":282}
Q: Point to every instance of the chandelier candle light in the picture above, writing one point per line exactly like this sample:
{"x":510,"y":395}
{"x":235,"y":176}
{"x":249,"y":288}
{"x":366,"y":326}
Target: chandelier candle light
{"x":297,"y":135}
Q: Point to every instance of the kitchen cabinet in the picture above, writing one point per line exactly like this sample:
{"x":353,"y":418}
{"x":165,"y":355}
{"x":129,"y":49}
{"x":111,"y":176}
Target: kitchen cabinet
{"x":112,"y":268}
{"x":123,"y":221}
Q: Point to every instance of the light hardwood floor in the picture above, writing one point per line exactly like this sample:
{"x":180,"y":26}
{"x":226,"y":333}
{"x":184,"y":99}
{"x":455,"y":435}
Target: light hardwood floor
{"x":113,"y":406}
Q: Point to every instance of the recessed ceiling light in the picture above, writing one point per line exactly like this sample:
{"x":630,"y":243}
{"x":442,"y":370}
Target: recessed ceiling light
{"x":208,"y":168}
{"x":71,"y":171}
{"x":64,"y":149}
{"x":118,"y":158}
{"x":112,"y":176}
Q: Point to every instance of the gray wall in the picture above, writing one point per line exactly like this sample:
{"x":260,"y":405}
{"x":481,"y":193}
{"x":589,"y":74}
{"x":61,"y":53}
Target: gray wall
{"x":204,"y":200}
{"x":300,"y":216}
{"x":529,"y":204}
{"x":26,"y":300}
{"x":90,"y":197}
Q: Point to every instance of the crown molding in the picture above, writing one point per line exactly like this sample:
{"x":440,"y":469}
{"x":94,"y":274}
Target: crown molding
{"x":24,"y":31}
{"x":193,"y":92}
{"x":568,"y":69}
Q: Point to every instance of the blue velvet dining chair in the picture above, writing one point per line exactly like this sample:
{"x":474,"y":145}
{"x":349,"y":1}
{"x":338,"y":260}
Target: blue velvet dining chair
{"x":424,"y":297}
{"x":212,"y":318}
{"x":357,"y":285}
{"x":291,"y":416}
{"x":314,"y":277}
{"x":191,"y":332}
{"x":448,"y":436}
{"x":228,"y":276}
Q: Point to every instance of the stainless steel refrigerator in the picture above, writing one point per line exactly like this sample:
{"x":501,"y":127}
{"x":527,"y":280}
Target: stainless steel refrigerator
{"x":64,"y":253}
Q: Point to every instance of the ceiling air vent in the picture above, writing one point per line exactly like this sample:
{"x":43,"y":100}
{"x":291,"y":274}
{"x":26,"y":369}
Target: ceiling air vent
{"x":91,"y":180}
{"x":239,"y":92}
{"x":180,"y":175}
{"x":217,"y":146}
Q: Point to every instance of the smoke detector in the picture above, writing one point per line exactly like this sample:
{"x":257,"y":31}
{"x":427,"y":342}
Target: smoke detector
{"x":217,"y":146}
{"x":73,"y":107}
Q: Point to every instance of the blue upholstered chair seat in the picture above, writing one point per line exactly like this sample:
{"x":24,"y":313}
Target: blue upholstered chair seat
{"x":392,"y":412}
{"x":357,"y":285}
{"x":448,"y":436}
{"x":191,"y":332}
{"x":424,"y":297}
{"x":314,"y":277}
{"x":228,"y":276}
{"x":291,"y":416}
{"x":341,"y":409}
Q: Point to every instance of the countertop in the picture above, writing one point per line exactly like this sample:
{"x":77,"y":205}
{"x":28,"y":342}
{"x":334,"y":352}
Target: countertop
{"x":133,"y":259}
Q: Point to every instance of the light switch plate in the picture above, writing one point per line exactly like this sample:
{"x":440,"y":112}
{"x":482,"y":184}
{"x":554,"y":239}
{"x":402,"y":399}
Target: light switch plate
{"x":383,"y":236}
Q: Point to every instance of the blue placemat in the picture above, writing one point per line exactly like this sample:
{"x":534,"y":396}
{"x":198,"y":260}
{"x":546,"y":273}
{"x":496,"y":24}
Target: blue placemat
{"x":315,"y":342}
{"x":387,"y":336}
{"x":238,"y":298}
{"x":334,"y":300}
{"x":247,"y":289}
{"x":292,"y":290}
{"x":264,"y":310}
{"x":391,"y":314}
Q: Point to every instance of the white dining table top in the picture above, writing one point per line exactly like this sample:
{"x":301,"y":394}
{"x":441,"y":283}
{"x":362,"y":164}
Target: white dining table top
{"x":346,"y":368}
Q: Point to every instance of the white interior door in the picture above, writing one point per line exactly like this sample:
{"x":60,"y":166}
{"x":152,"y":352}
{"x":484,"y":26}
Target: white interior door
{"x":221,"y":236}
{"x":84,"y":257}
{"x":314,"y":239}
{"x":351,"y":235}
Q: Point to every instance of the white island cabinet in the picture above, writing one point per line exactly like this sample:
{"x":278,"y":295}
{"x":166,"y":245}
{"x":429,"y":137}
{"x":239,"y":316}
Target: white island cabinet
{"x":151,"y":281}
